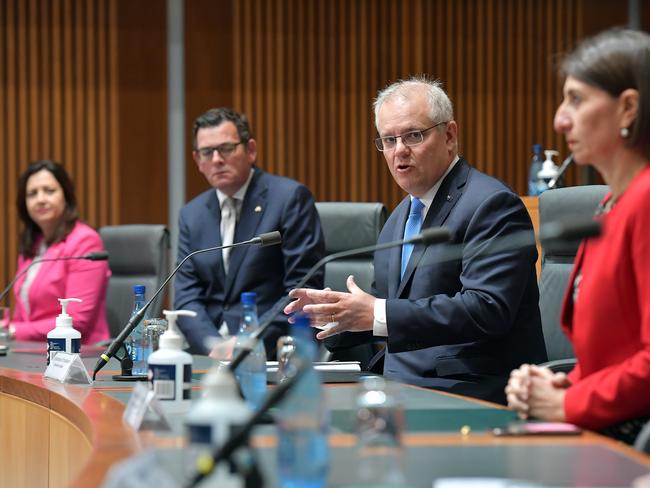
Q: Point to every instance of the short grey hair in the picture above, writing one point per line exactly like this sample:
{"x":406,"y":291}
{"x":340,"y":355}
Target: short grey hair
{"x":441,"y":109}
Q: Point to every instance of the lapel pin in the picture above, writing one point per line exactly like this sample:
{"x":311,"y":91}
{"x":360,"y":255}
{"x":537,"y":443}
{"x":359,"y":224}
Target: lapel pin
{"x":258,"y":209}
{"x":448,"y":198}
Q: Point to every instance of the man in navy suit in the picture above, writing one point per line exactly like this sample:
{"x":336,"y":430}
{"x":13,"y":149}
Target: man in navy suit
{"x":458,"y":326}
{"x":244,"y":202}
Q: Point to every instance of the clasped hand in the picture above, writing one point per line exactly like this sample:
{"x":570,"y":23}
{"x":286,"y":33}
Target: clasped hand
{"x":535,"y":391}
{"x":352,"y":312}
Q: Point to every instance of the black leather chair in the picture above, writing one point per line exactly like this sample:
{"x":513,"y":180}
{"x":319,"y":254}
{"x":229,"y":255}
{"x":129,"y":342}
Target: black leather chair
{"x":138,"y":255}
{"x":350,"y":225}
{"x":562,"y":204}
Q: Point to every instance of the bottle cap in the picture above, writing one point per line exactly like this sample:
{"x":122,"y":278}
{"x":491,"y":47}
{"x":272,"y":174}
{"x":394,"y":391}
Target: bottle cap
{"x":248,"y":298}
{"x":63,"y":319}
{"x":301,"y":321}
{"x":537,"y":149}
{"x":139,"y":289}
{"x":171,"y":339}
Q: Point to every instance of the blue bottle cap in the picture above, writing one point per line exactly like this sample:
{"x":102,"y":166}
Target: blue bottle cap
{"x":537,"y":149}
{"x":139,"y":289}
{"x":301,"y":320}
{"x":248,"y":297}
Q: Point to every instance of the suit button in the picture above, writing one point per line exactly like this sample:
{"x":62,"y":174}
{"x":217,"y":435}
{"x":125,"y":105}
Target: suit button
{"x":226,"y":307}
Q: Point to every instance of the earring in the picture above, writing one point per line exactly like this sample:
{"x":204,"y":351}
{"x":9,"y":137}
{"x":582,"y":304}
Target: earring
{"x":625,"y":132}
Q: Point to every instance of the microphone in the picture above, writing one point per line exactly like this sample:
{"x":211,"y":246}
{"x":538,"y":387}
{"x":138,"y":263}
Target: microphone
{"x":560,"y":172}
{"x":92,"y":256}
{"x":433,"y":235}
{"x":559,"y":231}
{"x":267,"y":239}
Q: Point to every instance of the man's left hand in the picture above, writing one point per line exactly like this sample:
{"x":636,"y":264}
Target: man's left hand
{"x":351,"y":312}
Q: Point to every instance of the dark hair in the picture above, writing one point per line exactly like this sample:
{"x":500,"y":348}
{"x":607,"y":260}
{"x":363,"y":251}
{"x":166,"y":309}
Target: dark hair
{"x":217,"y":116}
{"x":32,"y":231}
{"x":615,"y":60}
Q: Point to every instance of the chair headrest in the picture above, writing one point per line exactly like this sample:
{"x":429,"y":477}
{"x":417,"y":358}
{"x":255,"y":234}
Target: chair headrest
{"x":350,"y":225}
{"x":570,"y":203}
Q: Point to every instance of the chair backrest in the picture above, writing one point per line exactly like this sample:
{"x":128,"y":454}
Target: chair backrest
{"x":138,"y":255}
{"x":350,"y":225}
{"x":557,"y":259}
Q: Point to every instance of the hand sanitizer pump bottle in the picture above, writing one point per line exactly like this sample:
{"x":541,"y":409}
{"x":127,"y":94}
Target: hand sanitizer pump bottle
{"x":548,"y":172}
{"x":170,"y":368}
{"x":63,"y":337}
{"x":213,"y":419}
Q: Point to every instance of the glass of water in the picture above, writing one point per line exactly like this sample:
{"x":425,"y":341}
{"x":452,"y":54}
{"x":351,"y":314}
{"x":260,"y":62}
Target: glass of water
{"x":379,"y":429}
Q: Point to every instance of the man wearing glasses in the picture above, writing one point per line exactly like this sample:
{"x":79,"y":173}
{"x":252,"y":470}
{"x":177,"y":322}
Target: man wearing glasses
{"x":244,"y":201}
{"x":454,"y":325}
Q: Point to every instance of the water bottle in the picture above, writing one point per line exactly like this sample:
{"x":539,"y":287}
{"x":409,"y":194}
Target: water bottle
{"x":286,"y":346}
{"x":379,"y":428}
{"x":302,"y":420}
{"x":251,"y":373}
{"x":535,"y":167}
{"x":138,"y":353}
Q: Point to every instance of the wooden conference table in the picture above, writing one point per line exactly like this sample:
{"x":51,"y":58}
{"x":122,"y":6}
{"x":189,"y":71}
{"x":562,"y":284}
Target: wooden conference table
{"x":54,"y":434}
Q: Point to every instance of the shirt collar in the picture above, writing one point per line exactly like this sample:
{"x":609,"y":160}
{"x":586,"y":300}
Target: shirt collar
{"x":427,"y":198}
{"x":239,"y":194}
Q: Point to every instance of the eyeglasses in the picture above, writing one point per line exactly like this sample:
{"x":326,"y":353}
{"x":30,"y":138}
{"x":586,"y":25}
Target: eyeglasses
{"x":412,"y":138}
{"x":225,"y":150}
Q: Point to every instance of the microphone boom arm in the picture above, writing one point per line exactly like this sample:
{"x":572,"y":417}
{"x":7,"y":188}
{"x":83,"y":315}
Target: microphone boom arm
{"x":267,"y":239}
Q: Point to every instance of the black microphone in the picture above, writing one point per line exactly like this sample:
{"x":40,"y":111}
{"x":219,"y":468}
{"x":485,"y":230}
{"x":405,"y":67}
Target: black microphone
{"x":92,"y":256}
{"x":267,"y":239}
{"x":560,"y":172}
{"x":559,"y":231}
{"x":434,"y":235}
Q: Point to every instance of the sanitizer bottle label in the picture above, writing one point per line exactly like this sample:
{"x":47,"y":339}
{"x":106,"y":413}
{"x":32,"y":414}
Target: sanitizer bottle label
{"x":163,"y":380}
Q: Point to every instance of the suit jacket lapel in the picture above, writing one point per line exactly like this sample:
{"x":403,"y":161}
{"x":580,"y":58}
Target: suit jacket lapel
{"x":249,"y":219}
{"x":395,"y":256}
{"x":446,"y":198}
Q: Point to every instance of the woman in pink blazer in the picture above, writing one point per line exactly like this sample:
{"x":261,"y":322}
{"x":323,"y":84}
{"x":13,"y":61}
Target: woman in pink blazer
{"x":47,"y":207}
{"x":605,"y":117}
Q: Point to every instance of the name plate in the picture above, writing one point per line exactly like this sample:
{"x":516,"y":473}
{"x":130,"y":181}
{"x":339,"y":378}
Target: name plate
{"x":142,"y":399}
{"x":67,"y":368}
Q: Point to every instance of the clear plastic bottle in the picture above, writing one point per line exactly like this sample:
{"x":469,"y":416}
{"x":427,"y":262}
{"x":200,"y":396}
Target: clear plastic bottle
{"x":251,"y":373}
{"x":139,"y":354}
{"x":302,"y":419}
{"x":379,"y":428}
{"x":535,"y":167}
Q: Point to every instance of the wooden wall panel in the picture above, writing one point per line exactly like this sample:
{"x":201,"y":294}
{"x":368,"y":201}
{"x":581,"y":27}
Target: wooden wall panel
{"x":306,"y":72}
{"x":56,"y":94}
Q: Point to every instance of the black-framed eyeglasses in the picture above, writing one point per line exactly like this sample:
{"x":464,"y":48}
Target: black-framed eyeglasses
{"x":225,"y":150}
{"x":411,"y":138}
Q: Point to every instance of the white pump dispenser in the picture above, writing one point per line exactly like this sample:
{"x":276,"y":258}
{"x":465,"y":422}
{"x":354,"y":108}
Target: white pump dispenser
{"x":212,"y":420}
{"x":63,"y":337}
{"x":549,"y":169}
{"x":170,"y":368}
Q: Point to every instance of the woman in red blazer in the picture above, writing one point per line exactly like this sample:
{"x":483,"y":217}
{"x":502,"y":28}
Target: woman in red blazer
{"x":47,"y":207}
{"x":605,"y":117}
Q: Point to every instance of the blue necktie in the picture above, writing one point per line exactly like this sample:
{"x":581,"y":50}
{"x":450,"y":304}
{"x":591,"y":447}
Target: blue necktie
{"x":412,"y":228}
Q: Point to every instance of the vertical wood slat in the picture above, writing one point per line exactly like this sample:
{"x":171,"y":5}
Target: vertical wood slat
{"x":493,"y":57}
{"x":55,"y":71}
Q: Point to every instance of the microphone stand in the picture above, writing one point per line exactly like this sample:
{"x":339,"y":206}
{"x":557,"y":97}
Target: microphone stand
{"x":223,"y":452}
{"x":267,"y":239}
{"x":93,"y":256}
{"x":433,"y":235}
